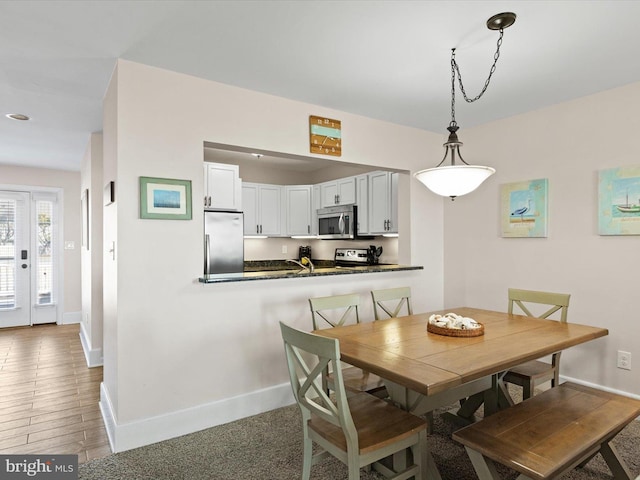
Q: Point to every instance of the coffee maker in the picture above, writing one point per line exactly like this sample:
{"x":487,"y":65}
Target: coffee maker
{"x":304,"y":252}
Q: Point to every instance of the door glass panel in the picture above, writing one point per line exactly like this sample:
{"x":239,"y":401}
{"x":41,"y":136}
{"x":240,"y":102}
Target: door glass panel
{"x":44,"y":252}
{"x":8,"y":210}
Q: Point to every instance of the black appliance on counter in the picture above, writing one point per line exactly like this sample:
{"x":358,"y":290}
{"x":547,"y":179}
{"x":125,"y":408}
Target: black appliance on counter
{"x":353,"y":257}
{"x":304,"y":252}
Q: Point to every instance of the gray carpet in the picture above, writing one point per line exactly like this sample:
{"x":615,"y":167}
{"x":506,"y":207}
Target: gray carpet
{"x":269,"y":446}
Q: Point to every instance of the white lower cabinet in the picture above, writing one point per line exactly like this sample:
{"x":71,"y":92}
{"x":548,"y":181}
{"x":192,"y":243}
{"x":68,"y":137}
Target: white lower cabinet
{"x":262,"y":209}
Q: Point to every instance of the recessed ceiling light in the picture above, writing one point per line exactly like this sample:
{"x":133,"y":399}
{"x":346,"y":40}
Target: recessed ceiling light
{"x":17,"y":116}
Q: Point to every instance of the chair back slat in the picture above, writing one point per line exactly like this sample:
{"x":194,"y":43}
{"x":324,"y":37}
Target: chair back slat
{"x":308,"y":356}
{"x":557,"y":301}
{"x":336,"y":310}
{"x":399,"y":297}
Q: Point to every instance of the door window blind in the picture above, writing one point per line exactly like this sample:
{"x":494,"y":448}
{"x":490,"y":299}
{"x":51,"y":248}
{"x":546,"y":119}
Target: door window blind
{"x":46,"y":251}
{"x":8,"y":210}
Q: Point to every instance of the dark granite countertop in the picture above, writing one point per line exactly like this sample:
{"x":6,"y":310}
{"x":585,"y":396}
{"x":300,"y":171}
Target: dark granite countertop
{"x":271,"y":270}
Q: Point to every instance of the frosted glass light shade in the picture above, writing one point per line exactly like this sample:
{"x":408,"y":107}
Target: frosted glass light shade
{"x":454,"y":180}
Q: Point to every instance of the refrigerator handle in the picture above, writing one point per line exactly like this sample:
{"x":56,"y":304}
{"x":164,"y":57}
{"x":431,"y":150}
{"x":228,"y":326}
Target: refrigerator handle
{"x":206,"y":254}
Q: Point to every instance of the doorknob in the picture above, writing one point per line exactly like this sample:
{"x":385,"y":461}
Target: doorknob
{"x":24,"y":265}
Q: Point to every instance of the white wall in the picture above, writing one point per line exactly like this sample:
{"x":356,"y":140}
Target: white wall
{"x":175,"y":348}
{"x":567,"y":144}
{"x":69,"y":182}
{"x":91,"y":180}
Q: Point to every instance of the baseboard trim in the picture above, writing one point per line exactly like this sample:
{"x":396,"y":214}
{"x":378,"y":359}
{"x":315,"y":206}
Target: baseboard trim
{"x":599,"y":387}
{"x":106,"y":410}
{"x":93,"y":356}
{"x":156,"y":429}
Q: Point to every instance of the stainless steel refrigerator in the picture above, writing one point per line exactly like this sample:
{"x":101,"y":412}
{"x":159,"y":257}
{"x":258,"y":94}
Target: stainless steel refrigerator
{"x":223,"y":242}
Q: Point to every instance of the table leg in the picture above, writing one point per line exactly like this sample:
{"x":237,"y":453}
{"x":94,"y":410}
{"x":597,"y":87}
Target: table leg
{"x":498,"y":396}
{"x":494,"y":398}
{"x":412,"y":402}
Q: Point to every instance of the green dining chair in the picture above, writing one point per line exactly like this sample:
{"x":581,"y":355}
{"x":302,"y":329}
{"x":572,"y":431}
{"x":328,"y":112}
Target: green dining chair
{"x":358,"y":429}
{"x":535,"y":372}
{"x":391,"y":301}
{"x":336,"y":311}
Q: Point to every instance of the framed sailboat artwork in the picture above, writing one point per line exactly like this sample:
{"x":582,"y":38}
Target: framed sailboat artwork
{"x":619,"y":201}
{"x":524,"y":208}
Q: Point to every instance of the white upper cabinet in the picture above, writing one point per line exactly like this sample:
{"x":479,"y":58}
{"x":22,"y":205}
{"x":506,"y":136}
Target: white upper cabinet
{"x":315,"y":205}
{"x":394,"y":202}
{"x":338,"y":192}
{"x":262,"y":209}
{"x":222,"y":187}
{"x":298,"y":208}
{"x":362,"y":201}
{"x":383,"y":203}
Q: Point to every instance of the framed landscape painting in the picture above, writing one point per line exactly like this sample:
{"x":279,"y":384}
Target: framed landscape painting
{"x":165,"y":198}
{"x":524,"y":208}
{"x":619,"y":201}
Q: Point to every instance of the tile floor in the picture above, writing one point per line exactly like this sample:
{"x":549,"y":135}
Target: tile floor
{"x":48,"y":395}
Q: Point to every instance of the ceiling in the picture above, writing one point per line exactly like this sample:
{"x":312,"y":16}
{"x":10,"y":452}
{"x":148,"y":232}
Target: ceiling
{"x":383,"y":59}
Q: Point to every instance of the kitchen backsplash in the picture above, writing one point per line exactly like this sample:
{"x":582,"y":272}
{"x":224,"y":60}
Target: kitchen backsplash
{"x":271,"y":248}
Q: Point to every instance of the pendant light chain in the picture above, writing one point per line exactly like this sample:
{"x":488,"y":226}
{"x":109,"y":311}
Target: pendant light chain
{"x":459,"y":177}
{"x":456,"y":70}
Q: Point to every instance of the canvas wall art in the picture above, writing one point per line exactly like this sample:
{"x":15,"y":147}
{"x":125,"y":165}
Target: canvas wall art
{"x":524,"y":208}
{"x":619,"y":201}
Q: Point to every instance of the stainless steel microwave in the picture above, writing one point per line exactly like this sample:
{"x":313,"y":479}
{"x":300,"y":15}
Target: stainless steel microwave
{"x":335,"y":223}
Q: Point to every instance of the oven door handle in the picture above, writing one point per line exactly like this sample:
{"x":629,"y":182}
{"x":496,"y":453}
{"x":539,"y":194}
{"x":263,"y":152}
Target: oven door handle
{"x":341,"y":224}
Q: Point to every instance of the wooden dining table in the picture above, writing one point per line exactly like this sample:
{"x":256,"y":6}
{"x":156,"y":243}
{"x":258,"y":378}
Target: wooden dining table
{"x":424,"y":371}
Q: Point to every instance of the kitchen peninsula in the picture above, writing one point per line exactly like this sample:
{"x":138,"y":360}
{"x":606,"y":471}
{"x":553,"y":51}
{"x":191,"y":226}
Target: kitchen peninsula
{"x":301,"y":272}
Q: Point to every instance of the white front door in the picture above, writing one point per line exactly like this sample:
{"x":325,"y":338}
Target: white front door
{"x":15,"y":258}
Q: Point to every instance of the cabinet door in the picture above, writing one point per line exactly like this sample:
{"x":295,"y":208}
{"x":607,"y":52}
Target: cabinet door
{"x":329,"y":194}
{"x":298,"y":209}
{"x":347,"y":191}
{"x":270,"y":210}
{"x":315,"y":205}
{"x":362,"y":191}
{"x":393,"y":199}
{"x":223,"y":187}
{"x":250,"y":202}
{"x":379,"y":202}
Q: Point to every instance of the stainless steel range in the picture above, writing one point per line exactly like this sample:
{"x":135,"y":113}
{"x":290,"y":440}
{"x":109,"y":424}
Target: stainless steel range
{"x":353,"y":257}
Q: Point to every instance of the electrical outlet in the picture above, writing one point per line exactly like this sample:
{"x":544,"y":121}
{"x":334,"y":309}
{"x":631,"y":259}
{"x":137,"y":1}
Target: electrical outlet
{"x":624,"y":360}
{"x":284,"y":249}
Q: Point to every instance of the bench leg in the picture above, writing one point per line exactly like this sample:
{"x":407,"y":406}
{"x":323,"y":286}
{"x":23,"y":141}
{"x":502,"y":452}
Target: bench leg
{"x":615,"y":462}
{"x":484,"y":467}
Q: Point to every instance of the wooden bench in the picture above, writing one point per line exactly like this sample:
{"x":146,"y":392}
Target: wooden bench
{"x":551,"y":433}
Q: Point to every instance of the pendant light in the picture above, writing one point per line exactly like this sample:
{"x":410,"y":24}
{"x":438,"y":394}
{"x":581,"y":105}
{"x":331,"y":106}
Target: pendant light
{"x":461,"y":178}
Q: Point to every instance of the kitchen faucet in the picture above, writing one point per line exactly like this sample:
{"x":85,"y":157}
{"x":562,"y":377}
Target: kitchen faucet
{"x":309,"y":267}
